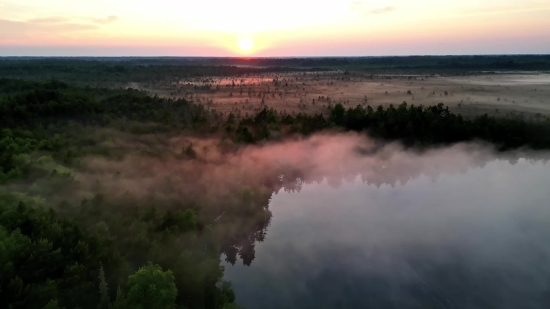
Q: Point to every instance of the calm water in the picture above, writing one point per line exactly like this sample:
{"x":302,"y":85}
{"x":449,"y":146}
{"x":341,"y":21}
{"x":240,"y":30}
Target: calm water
{"x":480,"y":239}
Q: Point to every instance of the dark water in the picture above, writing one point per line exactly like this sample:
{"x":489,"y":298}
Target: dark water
{"x":479,"y":239}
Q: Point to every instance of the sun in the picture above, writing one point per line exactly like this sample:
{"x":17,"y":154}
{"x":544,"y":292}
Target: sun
{"x":246,"y":44}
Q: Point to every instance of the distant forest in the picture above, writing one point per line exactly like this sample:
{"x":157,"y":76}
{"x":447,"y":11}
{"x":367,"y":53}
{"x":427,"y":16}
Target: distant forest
{"x":142,"y":68}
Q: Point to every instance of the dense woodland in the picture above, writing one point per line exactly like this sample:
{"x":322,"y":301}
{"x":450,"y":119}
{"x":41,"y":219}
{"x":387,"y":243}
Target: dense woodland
{"x":93,"y":72}
{"x":72,"y":237}
{"x":106,"y":71}
{"x":408,"y":63}
{"x":418,"y":126}
{"x":473,"y":62}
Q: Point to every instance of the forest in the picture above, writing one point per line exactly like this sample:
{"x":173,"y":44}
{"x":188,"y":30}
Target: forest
{"x":119,"y":198}
{"x":92,"y":70}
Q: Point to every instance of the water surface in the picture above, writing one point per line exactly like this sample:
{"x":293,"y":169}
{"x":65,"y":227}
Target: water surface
{"x":478,"y":239}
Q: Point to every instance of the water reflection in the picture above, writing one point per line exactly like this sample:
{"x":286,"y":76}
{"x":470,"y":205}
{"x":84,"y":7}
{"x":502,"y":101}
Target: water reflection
{"x":243,"y":244}
{"x":474,"y":233}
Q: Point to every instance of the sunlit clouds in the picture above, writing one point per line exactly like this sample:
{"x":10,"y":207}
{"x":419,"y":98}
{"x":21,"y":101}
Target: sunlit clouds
{"x":281,"y":28}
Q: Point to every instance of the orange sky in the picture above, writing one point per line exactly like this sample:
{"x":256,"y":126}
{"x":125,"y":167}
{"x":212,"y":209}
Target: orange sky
{"x":281,"y":28}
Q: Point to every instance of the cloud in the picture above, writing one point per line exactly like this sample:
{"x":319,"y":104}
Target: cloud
{"x":363,"y":9}
{"x":50,"y":26}
{"x":106,"y":20}
{"x":500,"y":11}
{"x":48,"y":20}
{"x":62,"y":20}
{"x":382,"y":10}
{"x":43,"y":25}
{"x":506,"y":8}
{"x":357,"y":5}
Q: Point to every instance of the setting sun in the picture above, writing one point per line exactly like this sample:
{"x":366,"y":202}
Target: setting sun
{"x":246,"y":44}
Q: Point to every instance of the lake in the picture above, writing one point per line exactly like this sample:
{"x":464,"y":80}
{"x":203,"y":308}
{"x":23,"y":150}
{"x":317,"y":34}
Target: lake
{"x":478,"y":238}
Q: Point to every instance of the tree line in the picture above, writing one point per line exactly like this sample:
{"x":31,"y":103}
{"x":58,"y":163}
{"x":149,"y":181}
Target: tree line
{"x":413,"y":125}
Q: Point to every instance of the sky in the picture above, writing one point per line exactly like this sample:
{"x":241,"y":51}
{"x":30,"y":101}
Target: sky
{"x":281,"y":28}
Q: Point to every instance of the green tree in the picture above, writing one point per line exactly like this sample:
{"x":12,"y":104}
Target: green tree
{"x":337,"y":114}
{"x":103,"y":290}
{"x":52,"y":305}
{"x":152,"y":288}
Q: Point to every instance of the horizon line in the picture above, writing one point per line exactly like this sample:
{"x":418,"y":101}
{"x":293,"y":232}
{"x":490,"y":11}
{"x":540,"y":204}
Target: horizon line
{"x":287,"y":57}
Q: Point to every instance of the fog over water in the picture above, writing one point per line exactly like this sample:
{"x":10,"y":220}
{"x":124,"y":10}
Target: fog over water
{"x":456,"y":227}
{"x":355,"y":223}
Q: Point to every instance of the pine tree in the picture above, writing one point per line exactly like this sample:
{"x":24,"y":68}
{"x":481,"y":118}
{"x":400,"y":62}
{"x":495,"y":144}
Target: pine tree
{"x":103,"y":290}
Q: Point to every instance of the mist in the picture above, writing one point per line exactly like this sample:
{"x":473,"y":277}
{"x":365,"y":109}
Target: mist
{"x":150,"y":162}
{"x":456,"y":227}
{"x":327,"y":218}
